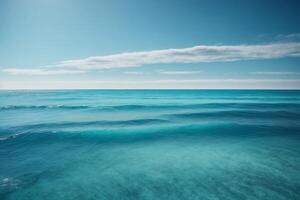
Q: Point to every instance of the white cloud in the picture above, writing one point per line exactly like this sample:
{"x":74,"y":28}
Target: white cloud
{"x":133,"y":73}
{"x":274,"y":73}
{"x":32,"y":72}
{"x":196,"y":54}
{"x":180,"y":72}
{"x":157,"y":84}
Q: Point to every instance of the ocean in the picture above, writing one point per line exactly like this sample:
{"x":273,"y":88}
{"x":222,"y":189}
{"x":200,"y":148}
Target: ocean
{"x":150,"y":144}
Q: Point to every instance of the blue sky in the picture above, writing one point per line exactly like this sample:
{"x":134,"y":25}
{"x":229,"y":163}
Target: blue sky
{"x":149,"y":44}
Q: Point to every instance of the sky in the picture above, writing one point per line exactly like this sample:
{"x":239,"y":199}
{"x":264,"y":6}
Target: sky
{"x":149,"y":44}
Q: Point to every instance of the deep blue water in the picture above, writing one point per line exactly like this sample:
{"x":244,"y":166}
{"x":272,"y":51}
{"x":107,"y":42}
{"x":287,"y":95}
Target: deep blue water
{"x":150,"y":144}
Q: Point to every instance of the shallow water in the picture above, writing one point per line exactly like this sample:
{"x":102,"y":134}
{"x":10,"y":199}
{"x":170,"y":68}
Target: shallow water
{"x":150,"y":144}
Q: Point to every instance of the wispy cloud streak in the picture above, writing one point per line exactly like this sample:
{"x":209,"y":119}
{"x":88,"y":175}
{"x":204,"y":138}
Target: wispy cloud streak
{"x":157,"y":84}
{"x":134,"y":73}
{"x":33,"y":72}
{"x":275,"y":73}
{"x":196,"y":54}
{"x":180,"y":72}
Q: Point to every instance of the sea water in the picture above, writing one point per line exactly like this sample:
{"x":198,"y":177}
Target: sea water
{"x":150,"y":144}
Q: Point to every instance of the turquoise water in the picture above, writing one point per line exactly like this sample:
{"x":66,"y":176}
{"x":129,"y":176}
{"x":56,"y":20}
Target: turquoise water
{"x":151,"y":144}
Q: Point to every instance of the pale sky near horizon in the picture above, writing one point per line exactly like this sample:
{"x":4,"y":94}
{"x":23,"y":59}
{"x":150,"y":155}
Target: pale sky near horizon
{"x":110,"y":44}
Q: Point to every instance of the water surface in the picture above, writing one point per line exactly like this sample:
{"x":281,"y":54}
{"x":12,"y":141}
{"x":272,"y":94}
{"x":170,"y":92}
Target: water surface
{"x":150,"y":144}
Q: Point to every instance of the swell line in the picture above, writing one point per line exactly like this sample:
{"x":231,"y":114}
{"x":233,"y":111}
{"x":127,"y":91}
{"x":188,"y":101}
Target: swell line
{"x":247,"y":114}
{"x":156,"y":107}
{"x":135,"y":122}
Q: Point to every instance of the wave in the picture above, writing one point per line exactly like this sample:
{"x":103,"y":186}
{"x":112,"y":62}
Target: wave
{"x":41,"y":107}
{"x":136,"y":122}
{"x":10,"y":133}
{"x":156,"y":107}
{"x":169,"y":131}
{"x":247,"y":114}
{"x":210,"y":105}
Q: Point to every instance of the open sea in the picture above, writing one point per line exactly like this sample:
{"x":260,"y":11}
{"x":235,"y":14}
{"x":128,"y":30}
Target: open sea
{"x":150,"y":144}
